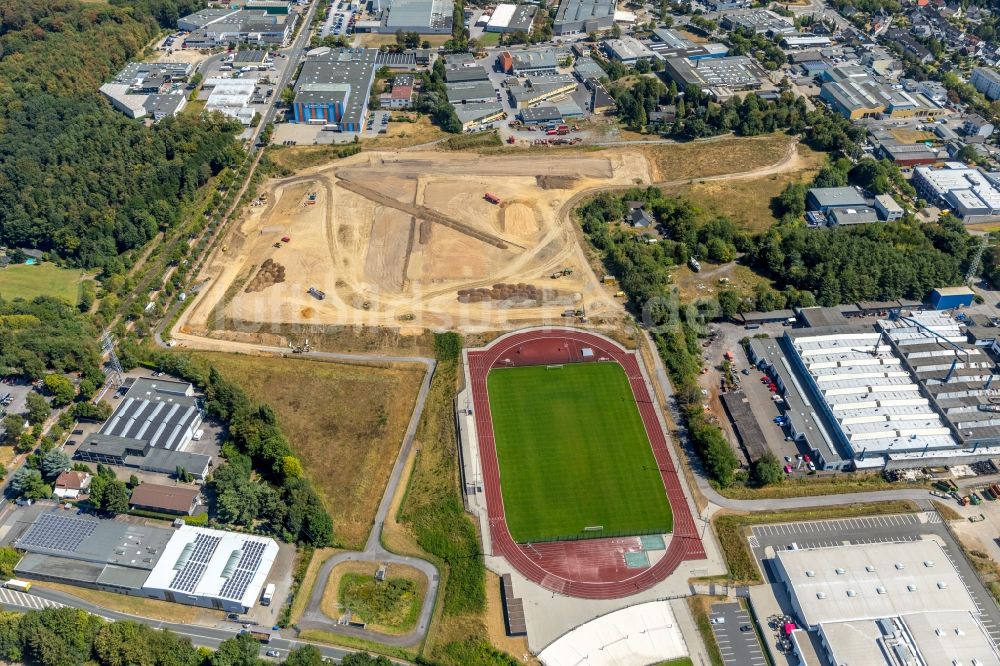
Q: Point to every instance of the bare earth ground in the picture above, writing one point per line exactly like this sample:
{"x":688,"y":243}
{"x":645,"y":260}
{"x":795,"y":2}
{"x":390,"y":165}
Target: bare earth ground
{"x":345,"y":422}
{"x":379,"y":260}
{"x":395,"y":236}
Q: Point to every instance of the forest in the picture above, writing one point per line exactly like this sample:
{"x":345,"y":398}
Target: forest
{"x":78,"y":179}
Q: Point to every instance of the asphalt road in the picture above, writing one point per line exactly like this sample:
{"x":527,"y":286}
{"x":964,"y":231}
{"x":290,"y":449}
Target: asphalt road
{"x":200,"y":636}
{"x":738,"y":648}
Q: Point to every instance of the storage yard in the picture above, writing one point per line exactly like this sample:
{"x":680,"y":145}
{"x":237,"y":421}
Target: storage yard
{"x":410,"y":240}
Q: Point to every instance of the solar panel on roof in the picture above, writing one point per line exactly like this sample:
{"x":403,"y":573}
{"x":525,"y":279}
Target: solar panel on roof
{"x":236,"y":585}
{"x":57,"y":532}
{"x":187,"y":578}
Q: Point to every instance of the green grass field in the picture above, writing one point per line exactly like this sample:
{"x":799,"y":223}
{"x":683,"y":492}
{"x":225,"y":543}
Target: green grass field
{"x":45,"y":279}
{"x":573,"y":454}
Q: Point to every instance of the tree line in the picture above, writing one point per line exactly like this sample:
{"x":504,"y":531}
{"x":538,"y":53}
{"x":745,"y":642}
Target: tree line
{"x":72,"y":637}
{"x":261,"y":485}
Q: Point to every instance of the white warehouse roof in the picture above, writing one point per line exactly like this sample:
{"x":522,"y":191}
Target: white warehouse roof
{"x":201,"y":563}
{"x":635,"y":636}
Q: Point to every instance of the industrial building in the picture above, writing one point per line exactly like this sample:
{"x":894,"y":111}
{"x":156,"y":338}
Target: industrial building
{"x":543,"y":114}
{"x":426,"y":17}
{"x":523,"y":63}
{"x":479,"y":113}
{"x":472,"y":91}
{"x":824,"y":199}
{"x":627,"y":50}
{"x":853,"y":92}
{"x":849,"y":216}
{"x":947,"y":298}
{"x":576,"y":16}
{"x":537,"y":89}
{"x":885,"y":604}
{"x":153,"y":90}
{"x":987,"y":81}
{"x":887,"y":208}
{"x":668,"y":43}
{"x":719,"y":77}
{"x":908,"y":391}
{"x":213,"y":27}
{"x":333,"y":88}
{"x":463,"y":74}
{"x":231,"y":97}
{"x":189,"y":565}
{"x":970,"y":194}
{"x":512,"y":18}
{"x":758,"y":21}
{"x":149,"y":430}
{"x":908,"y":154}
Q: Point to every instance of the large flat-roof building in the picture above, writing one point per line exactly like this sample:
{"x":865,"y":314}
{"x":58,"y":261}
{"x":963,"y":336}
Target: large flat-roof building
{"x":189,"y":565}
{"x":825,"y":199}
{"x":885,"y":604}
{"x":231,"y":97}
{"x":149,"y":430}
{"x":426,"y":17}
{"x":719,"y":77}
{"x":971,"y":194}
{"x":758,"y":21}
{"x":576,"y":16}
{"x":210,"y":28}
{"x":333,"y":88}
{"x":907,"y":391}
{"x":854,"y":93}
{"x":627,"y":50}
{"x":512,"y":18}
{"x":144,"y":89}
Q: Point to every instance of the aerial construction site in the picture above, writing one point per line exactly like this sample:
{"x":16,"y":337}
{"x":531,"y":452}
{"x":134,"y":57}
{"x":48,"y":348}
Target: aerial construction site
{"x":417,"y":240}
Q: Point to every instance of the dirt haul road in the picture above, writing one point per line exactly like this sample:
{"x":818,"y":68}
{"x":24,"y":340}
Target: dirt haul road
{"x":407,"y":240}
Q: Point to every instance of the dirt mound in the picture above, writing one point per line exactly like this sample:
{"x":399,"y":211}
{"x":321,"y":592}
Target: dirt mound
{"x":270,"y":273}
{"x":520,"y":293}
{"x":307,"y":313}
{"x":556,"y":182}
{"x":519,"y":219}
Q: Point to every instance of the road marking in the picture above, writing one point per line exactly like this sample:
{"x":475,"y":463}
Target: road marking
{"x":16,"y":598}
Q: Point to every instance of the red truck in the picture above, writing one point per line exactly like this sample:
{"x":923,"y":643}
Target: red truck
{"x":562,"y":129}
{"x":492,"y":198}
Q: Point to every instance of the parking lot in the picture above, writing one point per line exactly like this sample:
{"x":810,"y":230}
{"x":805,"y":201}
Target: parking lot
{"x":735,"y":635}
{"x":876,"y":529}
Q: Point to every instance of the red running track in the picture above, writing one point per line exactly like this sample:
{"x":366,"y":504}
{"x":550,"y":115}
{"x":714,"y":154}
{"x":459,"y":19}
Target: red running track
{"x":557,"y":567}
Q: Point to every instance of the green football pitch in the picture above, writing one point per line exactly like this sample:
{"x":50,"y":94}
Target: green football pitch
{"x":573,"y":454}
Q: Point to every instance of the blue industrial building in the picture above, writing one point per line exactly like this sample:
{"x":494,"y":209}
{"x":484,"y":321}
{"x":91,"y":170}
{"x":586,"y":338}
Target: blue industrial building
{"x":947,"y":298}
{"x":333,"y":88}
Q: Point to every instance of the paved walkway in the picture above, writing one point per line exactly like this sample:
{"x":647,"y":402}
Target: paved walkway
{"x":314,"y":618}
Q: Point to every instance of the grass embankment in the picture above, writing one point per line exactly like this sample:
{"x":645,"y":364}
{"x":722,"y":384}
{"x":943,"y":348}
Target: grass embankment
{"x":289,"y":159}
{"x":945,"y":511}
{"x":390,"y":606}
{"x":559,"y":430}
{"x":715,"y":157}
{"x":45,"y":279}
{"x":345,"y":422}
{"x":818,"y":486}
{"x":489,"y":139}
{"x":740,"y":561}
{"x":432,"y":512}
{"x":700,"y":606}
{"x":748,"y":202}
{"x":155,"y":609}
